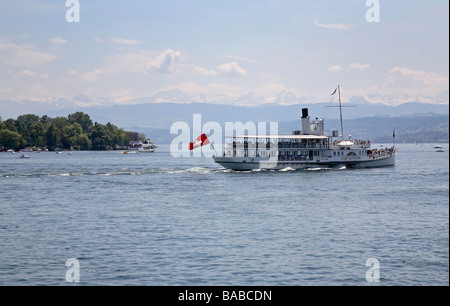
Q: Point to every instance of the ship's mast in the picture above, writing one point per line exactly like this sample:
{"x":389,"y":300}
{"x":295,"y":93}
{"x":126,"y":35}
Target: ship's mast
{"x":340,"y":110}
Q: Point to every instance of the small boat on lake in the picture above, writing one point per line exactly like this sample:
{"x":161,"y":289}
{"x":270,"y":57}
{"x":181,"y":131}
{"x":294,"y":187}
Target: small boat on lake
{"x":147,"y":146}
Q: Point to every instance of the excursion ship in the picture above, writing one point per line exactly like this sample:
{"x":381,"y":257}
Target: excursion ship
{"x":309,"y":148}
{"x":147,"y":146}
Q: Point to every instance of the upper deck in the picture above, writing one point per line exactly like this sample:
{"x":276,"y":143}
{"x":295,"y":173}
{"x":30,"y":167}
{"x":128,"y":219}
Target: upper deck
{"x":279,"y":136}
{"x":277,"y":141}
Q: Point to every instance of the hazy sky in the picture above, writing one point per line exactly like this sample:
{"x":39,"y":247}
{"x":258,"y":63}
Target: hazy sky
{"x":245,"y":52}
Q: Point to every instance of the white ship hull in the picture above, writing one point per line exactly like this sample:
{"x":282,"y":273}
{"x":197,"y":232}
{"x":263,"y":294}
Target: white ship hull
{"x":142,"y":150}
{"x":248,"y":163}
{"x":146,"y":150}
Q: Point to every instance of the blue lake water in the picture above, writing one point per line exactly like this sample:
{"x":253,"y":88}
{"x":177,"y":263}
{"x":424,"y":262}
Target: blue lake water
{"x":151,"y":219}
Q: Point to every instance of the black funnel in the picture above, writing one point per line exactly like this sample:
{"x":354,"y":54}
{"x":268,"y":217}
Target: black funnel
{"x":304,"y":113}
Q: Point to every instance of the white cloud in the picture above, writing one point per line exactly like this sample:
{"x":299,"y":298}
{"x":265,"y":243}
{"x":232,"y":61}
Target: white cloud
{"x":410,"y":76}
{"x":121,"y":41}
{"x":143,"y":62}
{"x":58,"y":41}
{"x":28,"y":73}
{"x":403,"y":85}
{"x":192,"y":91}
{"x":238,"y":58}
{"x":336,"y":68}
{"x":335,"y":26}
{"x":222,"y":93}
{"x":231,"y":70}
{"x":91,"y":76}
{"x":130,"y":62}
{"x":164,"y":62}
{"x":225,"y":70}
{"x":6,"y":91}
{"x":277,"y":93}
{"x":416,"y":85}
{"x":202,"y":71}
{"x":359,"y":66}
{"x":23,"y":55}
{"x":37,"y":90}
{"x":122,"y":96}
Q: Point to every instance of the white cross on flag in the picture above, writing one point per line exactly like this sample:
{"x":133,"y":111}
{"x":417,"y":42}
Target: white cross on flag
{"x":199,"y":142}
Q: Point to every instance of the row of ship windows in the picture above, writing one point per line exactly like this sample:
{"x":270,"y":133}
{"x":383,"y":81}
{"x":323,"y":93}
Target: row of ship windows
{"x":342,"y":153}
{"x":264,"y":153}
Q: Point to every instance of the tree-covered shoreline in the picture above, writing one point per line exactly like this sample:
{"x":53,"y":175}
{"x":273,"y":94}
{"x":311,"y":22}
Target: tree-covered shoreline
{"x":74,"y":132}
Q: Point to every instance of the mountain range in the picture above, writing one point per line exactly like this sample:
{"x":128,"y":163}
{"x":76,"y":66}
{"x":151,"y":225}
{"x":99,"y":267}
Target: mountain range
{"x":361,"y":118}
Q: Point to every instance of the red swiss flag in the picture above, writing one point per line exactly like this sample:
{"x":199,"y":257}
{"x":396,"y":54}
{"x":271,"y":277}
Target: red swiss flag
{"x":199,"y":142}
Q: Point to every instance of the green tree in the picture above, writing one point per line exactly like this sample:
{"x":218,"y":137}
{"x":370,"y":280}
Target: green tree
{"x":45,"y":119}
{"x":100,"y":137}
{"x":60,"y":123}
{"x":53,"y":137}
{"x":23,"y":121}
{"x":9,"y":139}
{"x":82,"y":119}
{"x":142,"y":137}
{"x":23,"y":124}
{"x":117,"y":136}
{"x":81,"y":142}
{"x":9,"y":125}
{"x":74,"y":129}
{"x":36,"y":134}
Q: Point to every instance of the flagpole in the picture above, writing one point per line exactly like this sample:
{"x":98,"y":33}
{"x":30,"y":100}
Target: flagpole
{"x":214,"y":149}
{"x":393,"y":136}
